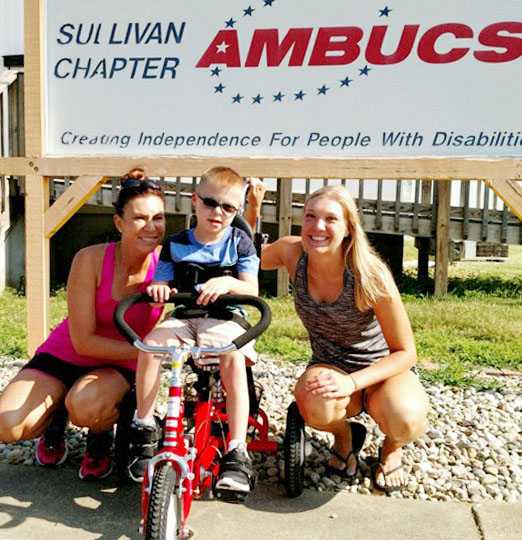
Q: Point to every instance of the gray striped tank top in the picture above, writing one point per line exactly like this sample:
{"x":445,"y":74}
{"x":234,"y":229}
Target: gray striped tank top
{"x":339,"y":333}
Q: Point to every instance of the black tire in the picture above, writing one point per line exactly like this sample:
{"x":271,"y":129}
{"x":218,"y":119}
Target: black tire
{"x":122,"y":439}
{"x":165,"y":512}
{"x":294,"y":451}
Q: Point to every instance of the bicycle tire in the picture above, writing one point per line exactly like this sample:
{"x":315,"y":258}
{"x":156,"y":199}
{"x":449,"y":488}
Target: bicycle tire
{"x":165,"y":512}
{"x":294,"y":451}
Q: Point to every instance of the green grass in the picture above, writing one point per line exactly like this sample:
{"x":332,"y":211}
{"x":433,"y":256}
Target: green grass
{"x":477,"y":325}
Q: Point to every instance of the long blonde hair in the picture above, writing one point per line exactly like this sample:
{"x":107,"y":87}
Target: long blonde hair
{"x":372,"y":277}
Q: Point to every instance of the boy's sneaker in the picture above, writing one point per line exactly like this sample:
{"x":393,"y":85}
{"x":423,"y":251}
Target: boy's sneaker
{"x":236,"y":476}
{"x":52,"y":448}
{"x":97,"y":461}
{"x":144,"y":442}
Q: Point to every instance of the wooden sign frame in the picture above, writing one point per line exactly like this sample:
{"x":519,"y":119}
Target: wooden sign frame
{"x":502,"y":175}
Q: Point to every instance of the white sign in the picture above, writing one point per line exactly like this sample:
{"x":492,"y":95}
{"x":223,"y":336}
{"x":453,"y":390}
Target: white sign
{"x":336,"y":78}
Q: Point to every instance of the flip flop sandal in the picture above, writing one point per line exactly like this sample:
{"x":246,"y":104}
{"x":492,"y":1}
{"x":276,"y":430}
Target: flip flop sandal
{"x":378,"y":467}
{"x":358,"y":436}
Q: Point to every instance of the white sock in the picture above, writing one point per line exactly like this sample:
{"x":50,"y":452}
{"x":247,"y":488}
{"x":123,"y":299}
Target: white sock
{"x":149,"y":421}
{"x":237,"y":444}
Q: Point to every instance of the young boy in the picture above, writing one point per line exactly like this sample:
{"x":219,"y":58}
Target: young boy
{"x":212,"y":243}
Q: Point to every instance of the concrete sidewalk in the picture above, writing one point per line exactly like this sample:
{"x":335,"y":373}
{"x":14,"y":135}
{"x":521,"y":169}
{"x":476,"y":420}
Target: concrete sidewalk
{"x":41,"y":504}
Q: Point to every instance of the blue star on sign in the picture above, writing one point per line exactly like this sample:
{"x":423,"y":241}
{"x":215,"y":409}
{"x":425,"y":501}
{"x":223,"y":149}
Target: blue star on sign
{"x":384,"y":12}
{"x":346,"y":81}
{"x":364,"y":71}
{"x":230,"y":23}
{"x":300,"y":95}
{"x":216,"y":71}
{"x":219,"y":88}
{"x":269,"y":2}
{"x":248,"y":11}
{"x":237,"y":98}
{"x":257,"y":99}
{"x":322,"y":90}
{"x":278,"y":96}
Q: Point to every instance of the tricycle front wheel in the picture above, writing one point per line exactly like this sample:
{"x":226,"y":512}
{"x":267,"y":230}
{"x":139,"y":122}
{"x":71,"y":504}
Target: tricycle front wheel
{"x":165,"y":512}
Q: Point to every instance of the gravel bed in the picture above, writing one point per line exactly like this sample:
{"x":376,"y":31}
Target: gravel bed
{"x":472,"y":450}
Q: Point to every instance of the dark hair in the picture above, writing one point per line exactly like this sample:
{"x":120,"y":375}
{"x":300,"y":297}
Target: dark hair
{"x":135,"y":184}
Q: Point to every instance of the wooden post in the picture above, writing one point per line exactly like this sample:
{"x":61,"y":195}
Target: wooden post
{"x":442,"y":238}
{"x":284,"y":199}
{"x":423,"y":257}
{"x":37,"y":187}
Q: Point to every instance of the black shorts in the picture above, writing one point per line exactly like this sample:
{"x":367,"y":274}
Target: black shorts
{"x":68,"y":373}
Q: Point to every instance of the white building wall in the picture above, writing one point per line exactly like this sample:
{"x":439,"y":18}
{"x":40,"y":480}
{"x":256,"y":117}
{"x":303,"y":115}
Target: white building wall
{"x":11,"y":28}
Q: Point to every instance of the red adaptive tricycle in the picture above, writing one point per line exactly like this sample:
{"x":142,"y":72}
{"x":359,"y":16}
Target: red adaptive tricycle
{"x":195,"y":426}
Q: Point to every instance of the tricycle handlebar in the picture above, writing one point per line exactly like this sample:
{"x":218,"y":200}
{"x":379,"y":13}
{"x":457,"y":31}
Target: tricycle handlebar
{"x":189,"y":299}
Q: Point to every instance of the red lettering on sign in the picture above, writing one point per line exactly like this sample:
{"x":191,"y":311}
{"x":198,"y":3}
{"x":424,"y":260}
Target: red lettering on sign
{"x":296,"y":39}
{"x":491,"y":38}
{"x":426,"y":49}
{"x":326,"y":43}
{"x":374,"y":49}
{"x":224,"y":49}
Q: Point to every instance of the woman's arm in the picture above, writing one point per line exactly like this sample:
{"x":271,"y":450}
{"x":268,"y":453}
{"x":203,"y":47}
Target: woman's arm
{"x":81,"y":298}
{"x":396,"y":328}
{"x":256,"y":194}
{"x":283,"y":253}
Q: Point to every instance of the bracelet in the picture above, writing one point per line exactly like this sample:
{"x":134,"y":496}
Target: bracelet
{"x":355,"y":387}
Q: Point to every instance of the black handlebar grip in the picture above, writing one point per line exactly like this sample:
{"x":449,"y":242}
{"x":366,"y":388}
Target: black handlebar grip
{"x":187,"y":298}
{"x":254,"y":301}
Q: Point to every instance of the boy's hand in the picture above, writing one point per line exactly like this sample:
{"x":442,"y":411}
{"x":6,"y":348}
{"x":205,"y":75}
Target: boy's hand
{"x":160,"y":292}
{"x":212,"y":289}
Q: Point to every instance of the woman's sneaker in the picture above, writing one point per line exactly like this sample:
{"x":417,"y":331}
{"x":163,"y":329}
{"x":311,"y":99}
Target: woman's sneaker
{"x":236,"y":477}
{"x":52,"y":447}
{"x":144,"y":442}
{"x":97,"y":461}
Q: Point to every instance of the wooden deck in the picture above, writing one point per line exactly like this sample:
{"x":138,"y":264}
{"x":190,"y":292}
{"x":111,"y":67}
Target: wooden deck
{"x":414,"y":218}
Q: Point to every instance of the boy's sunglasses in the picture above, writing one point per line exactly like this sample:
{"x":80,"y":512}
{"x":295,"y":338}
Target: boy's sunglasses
{"x":135,"y":182}
{"x":212,"y":203}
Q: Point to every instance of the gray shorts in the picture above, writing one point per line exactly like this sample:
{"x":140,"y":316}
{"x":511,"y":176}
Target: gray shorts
{"x":207,"y":332}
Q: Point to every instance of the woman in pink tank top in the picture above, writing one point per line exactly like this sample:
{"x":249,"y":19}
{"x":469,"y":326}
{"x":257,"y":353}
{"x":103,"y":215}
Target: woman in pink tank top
{"x":84,"y":368}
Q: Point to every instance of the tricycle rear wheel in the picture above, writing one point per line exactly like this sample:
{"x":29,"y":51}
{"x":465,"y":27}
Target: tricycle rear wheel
{"x":294,"y":451}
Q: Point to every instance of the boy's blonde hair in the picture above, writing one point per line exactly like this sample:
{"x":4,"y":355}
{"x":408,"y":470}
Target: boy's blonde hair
{"x":372,"y":277}
{"x":222,"y":176}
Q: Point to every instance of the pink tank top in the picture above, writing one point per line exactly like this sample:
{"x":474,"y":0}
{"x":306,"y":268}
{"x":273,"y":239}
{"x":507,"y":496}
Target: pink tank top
{"x":141,"y":317}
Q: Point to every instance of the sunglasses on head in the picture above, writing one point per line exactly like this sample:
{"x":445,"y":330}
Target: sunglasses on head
{"x":212,"y":203}
{"x":135,"y":182}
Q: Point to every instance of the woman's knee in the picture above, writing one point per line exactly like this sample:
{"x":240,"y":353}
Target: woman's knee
{"x":406,"y":422}
{"x":16,"y":425}
{"x":89,"y":409}
{"x":317,"y":412}
{"x":11,"y":426}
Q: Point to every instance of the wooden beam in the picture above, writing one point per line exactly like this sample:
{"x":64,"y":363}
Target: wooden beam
{"x":71,"y":200}
{"x":36,"y":262}
{"x":37,"y":187}
{"x":425,"y":168}
{"x":284,"y":190}
{"x":442,"y":239}
{"x":510,"y":191}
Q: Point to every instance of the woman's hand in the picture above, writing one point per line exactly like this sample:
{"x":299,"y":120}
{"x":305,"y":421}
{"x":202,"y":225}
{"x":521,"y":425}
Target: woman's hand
{"x":330,"y":384}
{"x":255,"y":196}
{"x":257,"y":191}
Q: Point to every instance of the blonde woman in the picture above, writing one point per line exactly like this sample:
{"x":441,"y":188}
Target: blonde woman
{"x":362,"y":343}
